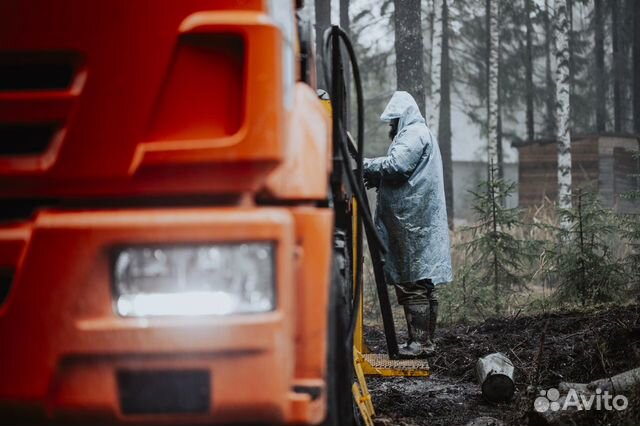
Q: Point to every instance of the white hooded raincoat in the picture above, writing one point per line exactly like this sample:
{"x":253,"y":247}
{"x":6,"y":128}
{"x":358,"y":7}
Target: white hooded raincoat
{"x":411,"y":215}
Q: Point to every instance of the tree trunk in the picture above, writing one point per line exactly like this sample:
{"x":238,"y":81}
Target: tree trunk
{"x":487,"y":64}
{"x":600,"y":104}
{"x":344,"y":15}
{"x":429,"y":47}
{"x":409,"y":48}
{"x":584,"y":393}
{"x":444,"y":126}
{"x":323,"y":21}
{"x":550,"y":87}
{"x":636,"y":66}
{"x":529,"y":82}
{"x":618,"y":64}
{"x":626,"y":40}
{"x":499,"y":145}
{"x":433,"y":115}
{"x":345,"y":24}
{"x":571,"y":44}
{"x":619,"y":383}
{"x":563,"y":94}
{"x":494,"y":35}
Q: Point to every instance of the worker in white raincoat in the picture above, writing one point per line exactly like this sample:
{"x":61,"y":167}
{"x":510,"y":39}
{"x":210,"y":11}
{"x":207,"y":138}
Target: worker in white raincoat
{"x":411,"y":217}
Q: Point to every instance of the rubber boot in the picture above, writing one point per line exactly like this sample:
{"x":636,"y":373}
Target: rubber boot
{"x":406,"y":349}
{"x":430,"y":346}
{"x":407,"y":317}
{"x":418,"y":330}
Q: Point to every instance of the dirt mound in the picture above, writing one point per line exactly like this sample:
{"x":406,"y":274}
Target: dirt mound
{"x":576,"y":347}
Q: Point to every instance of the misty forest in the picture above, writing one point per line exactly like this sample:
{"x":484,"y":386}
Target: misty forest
{"x":536,"y":108}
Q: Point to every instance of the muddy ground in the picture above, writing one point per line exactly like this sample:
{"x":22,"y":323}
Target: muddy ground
{"x":576,"y":346}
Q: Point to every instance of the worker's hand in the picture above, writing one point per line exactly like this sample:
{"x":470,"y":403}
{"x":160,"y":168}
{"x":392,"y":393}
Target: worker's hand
{"x":371,"y":182}
{"x":370,"y":179}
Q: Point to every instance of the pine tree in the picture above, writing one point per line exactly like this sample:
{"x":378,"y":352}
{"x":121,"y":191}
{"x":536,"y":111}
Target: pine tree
{"x":495,"y":257}
{"x":462,"y":300}
{"x":587,"y":269}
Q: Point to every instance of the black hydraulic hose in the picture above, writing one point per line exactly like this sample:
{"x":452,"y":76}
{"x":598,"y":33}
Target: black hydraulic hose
{"x":357,"y":189}
{"x":363,"y":202}
{"x":377,"y":246}
{"x":355,"y":181}
{"x":341,"y":140}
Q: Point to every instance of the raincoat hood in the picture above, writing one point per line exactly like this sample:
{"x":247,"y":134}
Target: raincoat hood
{"x":402,"y":106}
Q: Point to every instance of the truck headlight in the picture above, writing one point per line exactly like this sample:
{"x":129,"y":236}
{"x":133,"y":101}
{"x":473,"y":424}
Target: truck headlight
{"x":211,"y":279}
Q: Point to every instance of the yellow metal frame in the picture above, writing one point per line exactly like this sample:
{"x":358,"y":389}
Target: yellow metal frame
{"x":360,"y":389}
{"x":377,"y":364}
{"x":366,"y":363}
{"x":361,"y":394}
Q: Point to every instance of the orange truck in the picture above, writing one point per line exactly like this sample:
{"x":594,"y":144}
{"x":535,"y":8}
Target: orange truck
{"x":168,"y":246}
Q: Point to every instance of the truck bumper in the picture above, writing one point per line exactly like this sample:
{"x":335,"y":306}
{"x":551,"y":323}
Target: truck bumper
{"x":66,"y":356}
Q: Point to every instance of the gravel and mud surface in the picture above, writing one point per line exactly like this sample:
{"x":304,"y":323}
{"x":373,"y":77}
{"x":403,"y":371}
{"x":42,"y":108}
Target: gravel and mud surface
{"x":545,"y":349}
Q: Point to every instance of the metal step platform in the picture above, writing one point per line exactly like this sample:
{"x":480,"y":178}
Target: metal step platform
{"x":381,"y":365}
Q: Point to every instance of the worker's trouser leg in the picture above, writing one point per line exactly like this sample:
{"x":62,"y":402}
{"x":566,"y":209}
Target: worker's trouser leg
{"x":420,"y":304}
{"x":421,"y":292}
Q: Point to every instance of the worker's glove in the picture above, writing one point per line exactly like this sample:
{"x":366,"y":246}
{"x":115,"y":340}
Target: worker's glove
{"x":370,"y":179}
{"x":371,"y":182}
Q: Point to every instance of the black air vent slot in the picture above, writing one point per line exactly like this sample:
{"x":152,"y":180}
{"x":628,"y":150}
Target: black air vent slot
{"x":25,"y":139}
{"x":164,"y":391}
{"x":35,"y":76}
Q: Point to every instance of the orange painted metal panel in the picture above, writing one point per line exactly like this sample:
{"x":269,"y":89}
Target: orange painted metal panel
{"x":302,"y":175}
{"x":120,"y":121}
{"x":13,"y":240}
{"x":59,"y":319}
{"x":132,"y":122}
{"x":314,"y":236}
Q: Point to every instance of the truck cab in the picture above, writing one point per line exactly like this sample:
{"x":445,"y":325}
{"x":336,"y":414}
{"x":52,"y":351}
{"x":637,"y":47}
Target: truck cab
{"x":166,"y":239}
